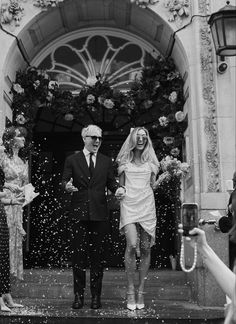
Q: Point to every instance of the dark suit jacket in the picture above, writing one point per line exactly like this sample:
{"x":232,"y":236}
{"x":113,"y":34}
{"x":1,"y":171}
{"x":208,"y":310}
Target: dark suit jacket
{"x":89,"y":202}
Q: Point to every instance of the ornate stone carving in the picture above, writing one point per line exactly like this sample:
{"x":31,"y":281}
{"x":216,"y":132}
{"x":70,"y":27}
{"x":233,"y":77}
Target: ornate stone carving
{"x":12,"y":11}
{"x":144,"y":3}
{"x":208,"y":93}
{"x":178,"y":9}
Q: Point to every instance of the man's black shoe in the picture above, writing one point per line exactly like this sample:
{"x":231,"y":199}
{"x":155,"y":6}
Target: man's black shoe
{"x":96,"y":302}
{"x":78,"y":302}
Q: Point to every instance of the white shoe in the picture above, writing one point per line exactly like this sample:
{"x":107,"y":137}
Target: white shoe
{"x":131,"y":304}
{"x":140,"y":302}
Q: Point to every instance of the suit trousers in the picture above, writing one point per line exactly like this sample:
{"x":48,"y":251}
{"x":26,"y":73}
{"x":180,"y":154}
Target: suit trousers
{"x":88,"y":241}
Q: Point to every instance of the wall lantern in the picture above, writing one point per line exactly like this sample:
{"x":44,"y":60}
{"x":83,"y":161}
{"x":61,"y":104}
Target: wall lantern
{"x":223,"y":29}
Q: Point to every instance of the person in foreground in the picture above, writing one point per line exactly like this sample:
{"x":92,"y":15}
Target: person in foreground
{"x":223,"y":275}
{"x":15,"y":168}
{"x":137,"y":169}
{"x":86,"y":175}
{"x":6,"y":301}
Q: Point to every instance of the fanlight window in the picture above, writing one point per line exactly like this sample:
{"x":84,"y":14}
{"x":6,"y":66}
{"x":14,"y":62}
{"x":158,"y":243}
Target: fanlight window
{"x":78,"y":61}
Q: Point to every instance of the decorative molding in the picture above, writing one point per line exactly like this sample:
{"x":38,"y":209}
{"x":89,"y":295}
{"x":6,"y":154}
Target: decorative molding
{"x":144,"y":3}
{"x":178,"y":10}
{"x":209,"y":96}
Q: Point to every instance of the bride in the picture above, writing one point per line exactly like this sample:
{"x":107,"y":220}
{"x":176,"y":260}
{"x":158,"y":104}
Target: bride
{"x":137,"y":169}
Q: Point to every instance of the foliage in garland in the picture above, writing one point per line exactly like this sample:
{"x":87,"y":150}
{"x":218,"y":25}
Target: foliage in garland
{"x":156,"y":92}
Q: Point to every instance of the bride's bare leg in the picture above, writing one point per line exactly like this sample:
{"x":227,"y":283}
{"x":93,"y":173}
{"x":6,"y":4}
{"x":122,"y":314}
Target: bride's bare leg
{"x":145,"y":256}
{"x":130,"y":263}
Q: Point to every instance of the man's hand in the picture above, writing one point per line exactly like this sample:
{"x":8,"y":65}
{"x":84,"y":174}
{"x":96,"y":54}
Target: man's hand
{"x":69,"y":186}
{"x":120,"y":193}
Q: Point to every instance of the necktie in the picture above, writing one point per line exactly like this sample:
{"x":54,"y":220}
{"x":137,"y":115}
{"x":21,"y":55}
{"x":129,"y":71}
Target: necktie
{"x":91,"y":164}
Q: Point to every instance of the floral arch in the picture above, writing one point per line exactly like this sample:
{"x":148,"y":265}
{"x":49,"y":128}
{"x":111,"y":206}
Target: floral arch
{"x":104,"y":77}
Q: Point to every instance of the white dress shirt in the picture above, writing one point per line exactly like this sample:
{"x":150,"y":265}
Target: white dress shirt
{"x":87,"y":156}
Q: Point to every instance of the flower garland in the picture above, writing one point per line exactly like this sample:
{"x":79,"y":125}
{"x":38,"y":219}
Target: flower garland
{"x":157,"y":92}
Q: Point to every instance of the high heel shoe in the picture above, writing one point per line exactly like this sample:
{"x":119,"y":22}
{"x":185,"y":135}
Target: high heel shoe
{"x":140,"y":302}
{"x":131,"y":304}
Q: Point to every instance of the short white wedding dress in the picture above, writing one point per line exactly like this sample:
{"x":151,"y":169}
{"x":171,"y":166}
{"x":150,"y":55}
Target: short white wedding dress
{"x":138,"y":206}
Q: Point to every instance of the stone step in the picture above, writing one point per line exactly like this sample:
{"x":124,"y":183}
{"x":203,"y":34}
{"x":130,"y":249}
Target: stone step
{"x":55,"y":311}
{"x":55,"y":283}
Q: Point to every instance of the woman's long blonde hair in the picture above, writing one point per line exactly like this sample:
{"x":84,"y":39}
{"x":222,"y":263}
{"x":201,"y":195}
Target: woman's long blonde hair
{"x":126,"y":153}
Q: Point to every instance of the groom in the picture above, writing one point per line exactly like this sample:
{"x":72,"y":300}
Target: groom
{"x":86,"y":175}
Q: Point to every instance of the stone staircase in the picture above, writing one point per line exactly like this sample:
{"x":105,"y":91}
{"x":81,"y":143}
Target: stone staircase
{"x":47,"y":295}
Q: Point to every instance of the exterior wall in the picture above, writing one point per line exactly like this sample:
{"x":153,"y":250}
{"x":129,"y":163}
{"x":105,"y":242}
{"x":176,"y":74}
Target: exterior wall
{"x":210,"y":137}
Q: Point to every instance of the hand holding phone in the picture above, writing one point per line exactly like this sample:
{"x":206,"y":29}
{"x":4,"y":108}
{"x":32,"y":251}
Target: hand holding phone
{"x":189,"y":217}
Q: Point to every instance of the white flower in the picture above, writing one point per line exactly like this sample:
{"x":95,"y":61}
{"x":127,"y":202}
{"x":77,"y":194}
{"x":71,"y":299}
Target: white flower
{"x":163,"y":121}
{"x":52,"y":85}
{"x":91,"y":81}
{"x":173,"y":96}
{"x":108,"y":103}
{"x":68,"y":117}
{"x":90,"y":99}
{"x":20,"y":119}
{"x":17,"y":87}
{"x":179,"y":116}
{"x":168,"y":140}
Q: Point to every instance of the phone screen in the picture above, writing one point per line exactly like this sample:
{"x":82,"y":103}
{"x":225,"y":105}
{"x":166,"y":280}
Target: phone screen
{"x":189,"y":216}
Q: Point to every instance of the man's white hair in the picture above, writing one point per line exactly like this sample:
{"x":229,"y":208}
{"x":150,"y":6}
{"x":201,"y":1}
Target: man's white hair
{"x":91,"y":130}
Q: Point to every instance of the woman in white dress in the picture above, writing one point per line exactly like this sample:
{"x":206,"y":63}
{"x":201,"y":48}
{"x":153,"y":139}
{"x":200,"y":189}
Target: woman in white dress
{"x":15,"y":169}
{"x":137,"y":169}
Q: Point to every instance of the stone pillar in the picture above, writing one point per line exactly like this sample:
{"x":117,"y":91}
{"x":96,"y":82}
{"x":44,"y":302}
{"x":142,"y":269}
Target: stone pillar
{"x":213,"y":153}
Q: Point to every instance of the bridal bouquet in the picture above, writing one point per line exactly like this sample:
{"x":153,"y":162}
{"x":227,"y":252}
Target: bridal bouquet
{"x":173,"y":169}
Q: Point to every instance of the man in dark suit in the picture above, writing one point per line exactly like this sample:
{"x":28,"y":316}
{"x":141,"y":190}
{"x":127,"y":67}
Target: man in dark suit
{"x":86,"y":175}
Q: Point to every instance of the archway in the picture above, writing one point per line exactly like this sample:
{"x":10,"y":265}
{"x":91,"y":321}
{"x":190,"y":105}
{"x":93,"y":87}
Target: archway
{"x":54,"y":126}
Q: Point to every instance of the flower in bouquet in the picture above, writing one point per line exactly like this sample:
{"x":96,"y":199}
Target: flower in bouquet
{"x":172,"y":169}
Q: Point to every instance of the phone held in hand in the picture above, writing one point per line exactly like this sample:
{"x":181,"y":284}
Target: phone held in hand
{"x":189,"y":217}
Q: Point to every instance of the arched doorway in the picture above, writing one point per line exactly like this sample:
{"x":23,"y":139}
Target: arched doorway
{"x":72,"y":61}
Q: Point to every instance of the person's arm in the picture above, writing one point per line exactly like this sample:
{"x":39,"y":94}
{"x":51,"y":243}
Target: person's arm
{"x":152,"y":179}
{"x":122,"y":179}
{"x":12,"y":201}
{"x":120,"y":192}
{"x":223,"y":275}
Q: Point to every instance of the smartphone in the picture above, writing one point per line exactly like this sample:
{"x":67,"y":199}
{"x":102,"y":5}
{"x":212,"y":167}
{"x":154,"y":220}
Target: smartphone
{"x":189,"y":217}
